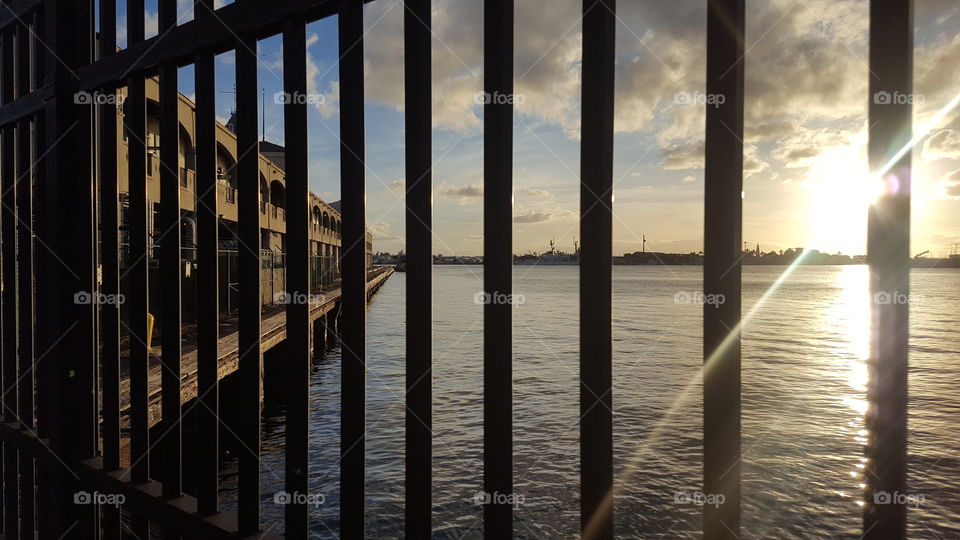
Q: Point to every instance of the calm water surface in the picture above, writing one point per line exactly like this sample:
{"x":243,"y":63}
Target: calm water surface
{"x":804,"y":347}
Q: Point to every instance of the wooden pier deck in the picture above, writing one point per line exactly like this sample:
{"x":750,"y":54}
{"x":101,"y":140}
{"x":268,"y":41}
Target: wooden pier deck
{"x":273,"y":328}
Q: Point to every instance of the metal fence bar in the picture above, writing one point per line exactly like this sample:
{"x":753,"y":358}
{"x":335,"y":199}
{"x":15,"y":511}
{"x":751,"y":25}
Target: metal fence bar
{"x":38,"y":60}
{"x":208,"y":316}
{"x":353,"y":261}
{"x":25,"y":271}
{"x":297,"y":382}
{"x":109,"y":251}
{"x":888,"y":252}
{"x":596,"y":306}
{"x":70,"y":266}
{"x":25,"y":384}
{"x":110,"y":520}
{"x":16,"y":11}
{"x":498,"y":264}
{"x":419,"y":313}
{"x":42,"y":332}
{"x":723,"y":222}
{"x":248,"y":210}
{"x":170,"y":261}
{"x":256,"y":20}
{"x":67,"y":395}
{"x":178,"y":516}
{"x":137,"y":261}
{"x":9,"y":308}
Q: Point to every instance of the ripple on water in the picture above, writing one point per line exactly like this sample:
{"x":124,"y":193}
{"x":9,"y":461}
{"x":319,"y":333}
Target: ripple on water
{"x":803,"y":353}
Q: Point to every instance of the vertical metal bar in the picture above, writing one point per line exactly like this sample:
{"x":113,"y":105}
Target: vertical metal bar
{"x":137,"y":267}
{"x":136,"y":22}
{"x":298,"y":274}
{"x":419,"y":316}
{"x":248,"y":210}
{"x":110,"y":261}
{"x":42,"y":334}
{"x":596,"y":308}
{"x":109,"y":255}
{"x":723,"y":222}
{"x":208,"y":320}
{"x":498,"y":265}
{"x":25,"y":284}
{"x":25,"y":269}
{"x":70,"y":266}
{"x":353,"y":261}
{"x":9,"y":308}
{"x":170,"y":262}
{"x":888,"y":251}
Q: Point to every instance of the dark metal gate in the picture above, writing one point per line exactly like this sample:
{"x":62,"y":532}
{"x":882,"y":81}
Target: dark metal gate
{"x":61,"y":365}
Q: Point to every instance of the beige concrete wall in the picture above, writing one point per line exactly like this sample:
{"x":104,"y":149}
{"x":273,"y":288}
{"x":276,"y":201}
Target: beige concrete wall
{"x":272,"y":219}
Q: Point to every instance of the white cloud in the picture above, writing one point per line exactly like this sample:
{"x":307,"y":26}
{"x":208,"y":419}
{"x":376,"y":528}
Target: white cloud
{"x":944,"y":144}
{"x":802,"y":148}
{"x":949,"y":185}
{"x":533,"y":193}
{"x":328,"y":103}
{"x":398,"y":186}
{"x":683,"y":156}
{"x":460,"y":194}
{"x":541,"y":216}
{"x":381,"y":231}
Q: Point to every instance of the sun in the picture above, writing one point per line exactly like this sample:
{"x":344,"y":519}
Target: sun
{"x":840,"y":191}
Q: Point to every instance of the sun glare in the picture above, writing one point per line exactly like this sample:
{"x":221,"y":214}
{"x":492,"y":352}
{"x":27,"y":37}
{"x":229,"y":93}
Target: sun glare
{"x":840,"y":191}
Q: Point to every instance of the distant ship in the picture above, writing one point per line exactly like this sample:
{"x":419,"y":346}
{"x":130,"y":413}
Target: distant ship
{"x":552,"y":257}
{"x":919,"y":261}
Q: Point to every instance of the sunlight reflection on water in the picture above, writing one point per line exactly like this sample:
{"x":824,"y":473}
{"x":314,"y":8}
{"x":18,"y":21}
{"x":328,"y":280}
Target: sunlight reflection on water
{"x":804,"y":400}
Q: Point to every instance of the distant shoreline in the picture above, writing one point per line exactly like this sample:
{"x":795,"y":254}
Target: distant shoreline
{"x":941,"y":263}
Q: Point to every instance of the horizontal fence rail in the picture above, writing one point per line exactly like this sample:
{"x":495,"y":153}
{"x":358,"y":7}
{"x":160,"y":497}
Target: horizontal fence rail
{"x":77,"y":225}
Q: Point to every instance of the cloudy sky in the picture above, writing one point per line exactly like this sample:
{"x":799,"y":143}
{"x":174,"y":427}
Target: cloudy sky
{"x":806,"y":178}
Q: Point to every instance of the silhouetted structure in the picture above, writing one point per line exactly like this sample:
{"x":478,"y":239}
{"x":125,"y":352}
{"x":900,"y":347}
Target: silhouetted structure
{"x":61,"y":237}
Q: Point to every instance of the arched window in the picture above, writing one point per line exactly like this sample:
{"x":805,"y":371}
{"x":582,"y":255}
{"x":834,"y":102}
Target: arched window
{"x":278,"y":194}
{"x":226,"y":167}
{"x":188,"y":232}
